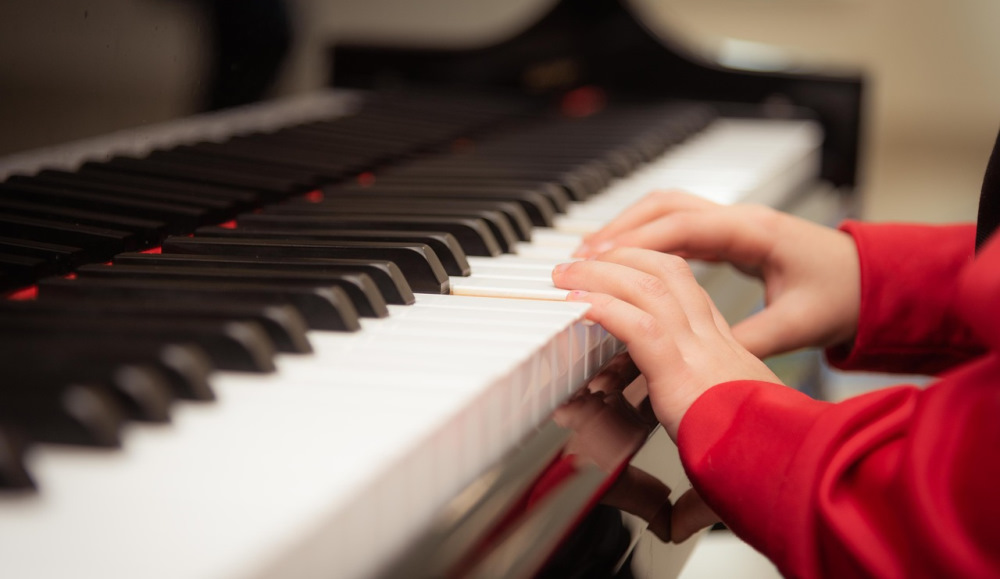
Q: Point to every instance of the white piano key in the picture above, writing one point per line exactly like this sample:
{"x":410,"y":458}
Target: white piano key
{"x":529,"y":289}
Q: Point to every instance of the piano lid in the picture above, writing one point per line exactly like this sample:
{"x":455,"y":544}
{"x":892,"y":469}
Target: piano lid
{"x":603,"y":43}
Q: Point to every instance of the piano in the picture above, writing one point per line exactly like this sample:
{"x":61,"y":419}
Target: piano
{"x":317,"y":337}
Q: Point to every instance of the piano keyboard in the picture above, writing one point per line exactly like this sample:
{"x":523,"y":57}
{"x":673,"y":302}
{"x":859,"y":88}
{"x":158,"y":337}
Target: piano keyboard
{"x":332,"y":463}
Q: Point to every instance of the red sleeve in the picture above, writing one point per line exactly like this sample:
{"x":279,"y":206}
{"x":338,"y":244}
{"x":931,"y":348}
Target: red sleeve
{"x":908,"y":321}
{"x":882,"y":485}
{"x":900,"y":482}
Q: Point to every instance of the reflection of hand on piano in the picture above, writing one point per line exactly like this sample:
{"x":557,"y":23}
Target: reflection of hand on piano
{"x":607,"y":428}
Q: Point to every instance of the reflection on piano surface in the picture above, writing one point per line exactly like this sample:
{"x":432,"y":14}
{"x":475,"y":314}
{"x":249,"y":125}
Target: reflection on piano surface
{"x":326,"y":343}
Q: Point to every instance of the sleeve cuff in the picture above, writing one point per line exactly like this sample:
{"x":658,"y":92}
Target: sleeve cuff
{"x":908,"y":321}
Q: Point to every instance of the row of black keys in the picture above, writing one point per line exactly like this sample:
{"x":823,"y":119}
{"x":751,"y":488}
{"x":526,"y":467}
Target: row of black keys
{"x":55,"y":221}
{"x":121,"y":342}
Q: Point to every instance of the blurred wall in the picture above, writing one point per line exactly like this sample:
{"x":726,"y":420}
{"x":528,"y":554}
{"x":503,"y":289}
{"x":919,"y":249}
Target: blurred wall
{"x":934,"y":92}
{"x":76,"y":68}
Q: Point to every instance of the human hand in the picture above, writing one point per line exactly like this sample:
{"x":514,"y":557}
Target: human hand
{"x":675,"y":335}
{"x":811,"y":273}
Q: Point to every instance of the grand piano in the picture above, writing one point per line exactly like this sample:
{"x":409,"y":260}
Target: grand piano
{"x":317,"y":337}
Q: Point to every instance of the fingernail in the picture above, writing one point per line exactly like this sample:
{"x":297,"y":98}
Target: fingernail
{"x":560,"y":268}
{"x":582,"y":251}
{"x":576,"y":295}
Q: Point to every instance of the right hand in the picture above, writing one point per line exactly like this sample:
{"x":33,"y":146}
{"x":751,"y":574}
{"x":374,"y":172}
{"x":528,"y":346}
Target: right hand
{"x":811,"y":273}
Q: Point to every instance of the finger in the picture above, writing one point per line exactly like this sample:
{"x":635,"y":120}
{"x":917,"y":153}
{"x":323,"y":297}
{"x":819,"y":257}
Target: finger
{"x":743,"y":235}
{"x":676,"y":277}
{"x":636,"y":328}
{"x":647,"y":209}
{"x":780,"y":327}
{"x":690,"y":514}
{"x":645,"y":292}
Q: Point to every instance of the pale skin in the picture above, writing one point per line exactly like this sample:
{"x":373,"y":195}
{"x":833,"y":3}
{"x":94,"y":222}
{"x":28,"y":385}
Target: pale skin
{"x":643,"y":292}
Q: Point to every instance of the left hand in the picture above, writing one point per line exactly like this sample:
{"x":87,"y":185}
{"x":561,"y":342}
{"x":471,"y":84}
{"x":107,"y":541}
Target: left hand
{"x":675,"y":335}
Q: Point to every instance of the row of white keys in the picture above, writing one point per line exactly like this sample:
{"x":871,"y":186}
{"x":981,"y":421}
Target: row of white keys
{"x":329,"y":466}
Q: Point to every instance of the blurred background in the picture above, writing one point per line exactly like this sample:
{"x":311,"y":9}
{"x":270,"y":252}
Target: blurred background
{"x":78,"y":68}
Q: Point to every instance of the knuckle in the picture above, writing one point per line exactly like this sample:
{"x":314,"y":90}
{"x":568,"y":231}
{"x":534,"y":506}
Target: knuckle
{"x":648,"y":327}
{"x":672,"y":265}
{"x":601,"y":301}
{"x":617,"y":254}
{"x":650,"y":285}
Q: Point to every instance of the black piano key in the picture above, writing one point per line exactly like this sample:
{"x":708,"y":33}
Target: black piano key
{"x":555,"y":193}
{"x":216,"y":209}
{"x":240,"y":346}
{"x":324,"y":308}
{"x":444,"y":245}
{"x":577,"y":185}
{"x":497,"y":221}
{"x":96,"y":243}
{"x":317,"y":163}
{"x":538,"y":207}
{"x":419,"y":264}
{"x":80,"y":414}
{"x":283,"y":324}
{"x":14,"y":473}
{"x":291,"y":178}
{"x":336,"y":148}
{"x":386,"y":275}
{"x":269,"y":189}
{"x":178,"y":217}
{"x":76,"y":413}
{"x":63,"y":257}
{"x":360,"y":288}
{"x":473,"y":235}
{"x":517,"y":217}
{"x":148,"y":231}
{"x":238,"y":199}
{"x":612,"y":161}
{"x":25,"y":269}
{"x":143,"y":393}
{"x":185,"y":366}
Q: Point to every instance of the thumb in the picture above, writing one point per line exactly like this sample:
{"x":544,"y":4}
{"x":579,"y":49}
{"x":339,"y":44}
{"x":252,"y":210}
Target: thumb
{"x":771,"y":331}
{"x":689,"y":515}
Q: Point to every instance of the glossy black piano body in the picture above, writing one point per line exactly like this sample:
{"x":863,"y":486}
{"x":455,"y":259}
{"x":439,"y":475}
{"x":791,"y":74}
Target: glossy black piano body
{"x":603,"y":43}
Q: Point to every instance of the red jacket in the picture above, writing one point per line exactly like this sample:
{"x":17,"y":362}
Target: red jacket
{"x":902,"y":482}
